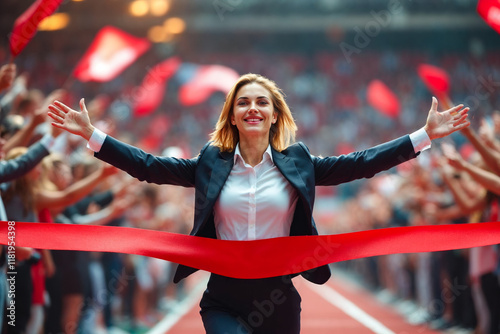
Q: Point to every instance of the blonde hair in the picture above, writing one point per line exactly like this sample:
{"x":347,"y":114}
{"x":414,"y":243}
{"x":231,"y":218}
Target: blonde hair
{"x":281,"y":134}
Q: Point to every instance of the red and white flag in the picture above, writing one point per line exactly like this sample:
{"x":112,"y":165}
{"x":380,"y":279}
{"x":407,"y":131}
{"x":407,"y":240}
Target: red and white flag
{"x":149,"y":95}
{"x":26,"y":25}
{"x":109,"y":54}
{"x":489,"y":10}
{"x":207,"y":80}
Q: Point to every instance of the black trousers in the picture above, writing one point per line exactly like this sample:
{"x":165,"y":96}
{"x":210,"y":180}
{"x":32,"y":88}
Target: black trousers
{"x":491,"y":292}
{"x":257,"y":306}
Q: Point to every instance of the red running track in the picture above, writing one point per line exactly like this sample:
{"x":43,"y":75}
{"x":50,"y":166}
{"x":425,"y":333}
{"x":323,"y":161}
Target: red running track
{"x":336,"y":307}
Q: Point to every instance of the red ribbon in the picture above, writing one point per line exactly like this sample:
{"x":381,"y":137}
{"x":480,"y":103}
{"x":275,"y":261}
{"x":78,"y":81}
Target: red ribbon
{"x":252,"y":259}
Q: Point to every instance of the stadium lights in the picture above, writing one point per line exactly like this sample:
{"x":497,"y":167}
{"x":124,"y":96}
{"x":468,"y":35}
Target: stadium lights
{"x":174,"y":25}
{"x":153,"y":7}
{"x":167,"y":31}
{"x":55,"y":21}
{"x":158,"y":34}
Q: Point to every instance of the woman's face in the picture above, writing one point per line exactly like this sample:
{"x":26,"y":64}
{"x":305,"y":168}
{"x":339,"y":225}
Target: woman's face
{"x":253,"y":111}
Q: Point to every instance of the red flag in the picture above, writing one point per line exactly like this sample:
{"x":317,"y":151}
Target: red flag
{"x":436,"y":79}
{"x":150,"y":94}
{"x":489,"y":10}
{"x":26,"y":25}
{"x":383,"y":99}
{"x":207,"y":80}
{"x":109,"y":54}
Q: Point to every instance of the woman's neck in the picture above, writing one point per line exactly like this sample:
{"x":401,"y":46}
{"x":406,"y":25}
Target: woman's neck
{"x":253,"y":150}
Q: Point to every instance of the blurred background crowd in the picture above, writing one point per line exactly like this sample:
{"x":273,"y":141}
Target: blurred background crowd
{"x":322,"y":54}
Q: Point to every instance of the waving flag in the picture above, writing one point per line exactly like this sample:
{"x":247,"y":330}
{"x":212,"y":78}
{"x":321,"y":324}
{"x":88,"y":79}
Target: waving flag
{"x":381,"y":98}
{"x":435,"y":78}
{"x":489,"y":10}
{"x":109,"y":54}
{"x":150,"y":93}
{"x":207,"y":79}
{"x":26,"y":25}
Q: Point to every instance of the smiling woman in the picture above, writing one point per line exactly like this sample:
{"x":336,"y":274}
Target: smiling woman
{"x":281,"y":131}
{"x":253,"y":116}
{"x":253,"y":183}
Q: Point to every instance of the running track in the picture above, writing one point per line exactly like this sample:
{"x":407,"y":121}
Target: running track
{"x":336,"y":307}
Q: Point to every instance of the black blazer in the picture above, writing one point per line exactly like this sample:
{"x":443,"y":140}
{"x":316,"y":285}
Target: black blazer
{"x":208,"y":172}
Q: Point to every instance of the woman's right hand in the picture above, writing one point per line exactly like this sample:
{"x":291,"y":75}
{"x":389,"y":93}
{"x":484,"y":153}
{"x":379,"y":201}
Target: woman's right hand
{"x":76,"y":122}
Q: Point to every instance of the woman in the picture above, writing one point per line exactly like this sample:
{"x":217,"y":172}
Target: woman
{"x":252,"y":184}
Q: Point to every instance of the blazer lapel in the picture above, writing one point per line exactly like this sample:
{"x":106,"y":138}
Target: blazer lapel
{"x":221,"y":169}
{"x":287,"y":167}
{"x":218,"y":166}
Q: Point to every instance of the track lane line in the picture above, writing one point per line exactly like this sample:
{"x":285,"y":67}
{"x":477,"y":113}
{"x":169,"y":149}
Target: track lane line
{"x":349,"y":308}
{"x":176,"y":314}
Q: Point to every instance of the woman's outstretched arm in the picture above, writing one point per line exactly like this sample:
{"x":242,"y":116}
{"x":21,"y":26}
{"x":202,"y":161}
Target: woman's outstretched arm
{"x":367,"y":163}
{"x":134,"y":161}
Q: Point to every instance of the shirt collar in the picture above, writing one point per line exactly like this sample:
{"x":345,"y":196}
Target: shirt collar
{"x":267,"y":153}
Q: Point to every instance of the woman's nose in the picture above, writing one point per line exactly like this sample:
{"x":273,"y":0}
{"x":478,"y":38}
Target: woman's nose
{"x":253,"y":107}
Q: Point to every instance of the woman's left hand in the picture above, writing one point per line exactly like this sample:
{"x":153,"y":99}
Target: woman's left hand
{"x":441,"y":124}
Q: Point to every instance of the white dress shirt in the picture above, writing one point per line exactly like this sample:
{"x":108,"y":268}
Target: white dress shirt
{"x":257,"y":202}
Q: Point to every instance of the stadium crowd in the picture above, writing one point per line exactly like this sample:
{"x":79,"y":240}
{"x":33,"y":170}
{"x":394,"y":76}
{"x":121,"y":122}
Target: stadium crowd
{"x":76,"y":292}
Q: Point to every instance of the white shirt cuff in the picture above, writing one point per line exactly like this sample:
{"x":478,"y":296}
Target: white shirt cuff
{"x":96,"y":140}
{"x":48,"y":142}
{"x":420,"y":140}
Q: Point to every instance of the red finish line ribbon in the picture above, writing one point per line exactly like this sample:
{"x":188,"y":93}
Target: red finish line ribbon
{"x":251,"y":259}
